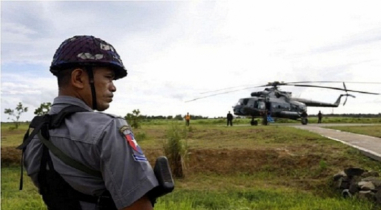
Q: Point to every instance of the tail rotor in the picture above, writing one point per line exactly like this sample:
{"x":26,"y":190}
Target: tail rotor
{"x":346,"y":94}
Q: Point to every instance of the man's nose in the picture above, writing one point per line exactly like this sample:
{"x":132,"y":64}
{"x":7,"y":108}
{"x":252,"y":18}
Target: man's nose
{"x":112,"y":87}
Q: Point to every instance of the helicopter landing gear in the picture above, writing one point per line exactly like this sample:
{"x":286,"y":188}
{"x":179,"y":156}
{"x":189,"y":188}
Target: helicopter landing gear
{"x":253,"y":122}
{"x":304,"y":120}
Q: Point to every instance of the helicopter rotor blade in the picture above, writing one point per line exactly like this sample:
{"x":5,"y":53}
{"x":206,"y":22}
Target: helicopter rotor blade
{"x":275,"y":85}
{"x":213,"y":91}
{"x":207,"y":96}
{"x":332,"y":82}
{"x":346,"y":93}
{"x":334,"y":88}
{"x":346,"y":97}
{"x":345,"y":100}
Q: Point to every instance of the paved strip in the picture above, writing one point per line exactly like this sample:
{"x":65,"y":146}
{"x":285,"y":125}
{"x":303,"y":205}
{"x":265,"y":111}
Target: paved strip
{"x":368,"y":145}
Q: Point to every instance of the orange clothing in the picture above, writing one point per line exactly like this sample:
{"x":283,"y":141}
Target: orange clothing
{"x":187,"y":117}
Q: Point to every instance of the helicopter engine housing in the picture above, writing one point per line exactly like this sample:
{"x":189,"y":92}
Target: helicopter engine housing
{"x":259,"y":93}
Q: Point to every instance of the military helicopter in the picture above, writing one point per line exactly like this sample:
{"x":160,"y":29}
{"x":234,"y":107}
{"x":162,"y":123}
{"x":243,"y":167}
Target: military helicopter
{"x":274,"y":103}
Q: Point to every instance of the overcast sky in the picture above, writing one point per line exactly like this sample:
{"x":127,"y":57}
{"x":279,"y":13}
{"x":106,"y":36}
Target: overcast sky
{"x":176,"y":50}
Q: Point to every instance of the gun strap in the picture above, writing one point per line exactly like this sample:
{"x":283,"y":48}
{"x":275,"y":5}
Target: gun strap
{"x":49,"y":121}
{"x":66,"y":159}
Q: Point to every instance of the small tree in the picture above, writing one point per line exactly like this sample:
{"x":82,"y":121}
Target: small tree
{"x":134,"y":118}
{"x":16,"y":114}
{"x":43,"y":109}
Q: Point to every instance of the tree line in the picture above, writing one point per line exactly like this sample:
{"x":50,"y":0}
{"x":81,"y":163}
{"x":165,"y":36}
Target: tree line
{"x":133,"y":118}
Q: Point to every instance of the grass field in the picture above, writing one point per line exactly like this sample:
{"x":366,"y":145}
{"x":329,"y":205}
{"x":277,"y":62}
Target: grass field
{"x":239,"y":167}
{"x":365,"y":130}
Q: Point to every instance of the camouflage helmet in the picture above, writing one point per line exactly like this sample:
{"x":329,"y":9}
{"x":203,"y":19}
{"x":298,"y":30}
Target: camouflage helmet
{"x":87,"y":51}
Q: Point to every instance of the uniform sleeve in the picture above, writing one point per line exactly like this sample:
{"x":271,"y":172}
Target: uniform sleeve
{"x":126,"y":171}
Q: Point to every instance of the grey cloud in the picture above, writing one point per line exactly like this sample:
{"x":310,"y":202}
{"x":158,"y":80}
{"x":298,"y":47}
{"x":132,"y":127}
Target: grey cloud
{"x":364,"y":38}
{"x":25,"y":17}
{"x":32,"y":31}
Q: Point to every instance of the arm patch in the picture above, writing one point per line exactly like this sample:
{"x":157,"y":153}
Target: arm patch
{"x":137,"y":152}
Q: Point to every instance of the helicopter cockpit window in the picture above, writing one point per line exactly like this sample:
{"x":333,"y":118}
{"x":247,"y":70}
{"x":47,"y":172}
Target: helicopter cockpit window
{"x":303,"y":108}
{"x":242,"y":101}
{"x":260,"y":105}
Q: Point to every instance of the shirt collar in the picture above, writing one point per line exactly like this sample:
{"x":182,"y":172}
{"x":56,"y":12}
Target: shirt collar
{"x":63,"y":101}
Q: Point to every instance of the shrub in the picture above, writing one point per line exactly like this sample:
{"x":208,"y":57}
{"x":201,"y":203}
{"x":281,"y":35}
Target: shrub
{"x":175,"y":148}
{"x":141,"y":136}
{"x":134,"y":118}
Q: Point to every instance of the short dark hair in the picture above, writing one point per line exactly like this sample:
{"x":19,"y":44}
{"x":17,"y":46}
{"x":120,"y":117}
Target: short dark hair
{"x":63,"y":76}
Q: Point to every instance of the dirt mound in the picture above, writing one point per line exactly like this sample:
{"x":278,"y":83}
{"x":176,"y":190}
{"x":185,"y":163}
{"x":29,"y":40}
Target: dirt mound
{"x":219,"y":161}
{"x":10,"y":156}
{"x":232,"y":161}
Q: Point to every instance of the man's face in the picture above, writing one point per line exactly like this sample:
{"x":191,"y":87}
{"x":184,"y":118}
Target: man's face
{"x":104,"y":87}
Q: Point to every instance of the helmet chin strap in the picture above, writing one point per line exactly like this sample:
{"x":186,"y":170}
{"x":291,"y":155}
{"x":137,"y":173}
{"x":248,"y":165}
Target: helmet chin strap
{"x":89,"y":70}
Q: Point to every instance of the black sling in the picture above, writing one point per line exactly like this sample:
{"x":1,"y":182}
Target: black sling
{"x":56,"y":192}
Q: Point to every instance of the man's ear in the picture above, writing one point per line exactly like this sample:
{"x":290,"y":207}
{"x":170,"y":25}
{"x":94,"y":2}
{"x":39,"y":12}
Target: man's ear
{"x":79,"y":78}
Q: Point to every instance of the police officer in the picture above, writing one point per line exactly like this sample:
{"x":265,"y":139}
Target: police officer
{"x":86,"y":67}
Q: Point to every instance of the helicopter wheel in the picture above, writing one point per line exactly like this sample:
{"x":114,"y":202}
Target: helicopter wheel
{"x":254,"y":122}
{"x":304,"y":121}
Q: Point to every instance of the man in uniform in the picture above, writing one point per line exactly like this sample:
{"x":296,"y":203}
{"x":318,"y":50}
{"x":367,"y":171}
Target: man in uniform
{"x":320,"y":115}
{"x":86,"y":67}
{"x":229,"y":117}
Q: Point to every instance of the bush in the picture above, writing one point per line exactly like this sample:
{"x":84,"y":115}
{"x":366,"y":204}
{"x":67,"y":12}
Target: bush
{"x":141,"y":136}
{"x":134,"y":118}
{"x":176,"y":148}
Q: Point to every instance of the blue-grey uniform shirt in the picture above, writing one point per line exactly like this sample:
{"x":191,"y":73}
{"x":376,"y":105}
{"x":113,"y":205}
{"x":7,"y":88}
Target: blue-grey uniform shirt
{"x":96,"y":140}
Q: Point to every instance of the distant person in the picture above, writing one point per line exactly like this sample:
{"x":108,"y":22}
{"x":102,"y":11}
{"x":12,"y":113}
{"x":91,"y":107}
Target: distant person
{"x":187,"y":119}
{"x":269,"y":118}
{"x":229,"y":117}
{"x":320,"y":115}
{"x":304,"y":116}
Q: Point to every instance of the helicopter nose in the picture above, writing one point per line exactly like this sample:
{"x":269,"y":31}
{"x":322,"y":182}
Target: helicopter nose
{"x":237,"y":109}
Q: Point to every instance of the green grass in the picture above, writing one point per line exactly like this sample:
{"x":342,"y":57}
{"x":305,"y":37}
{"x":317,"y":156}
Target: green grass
{"x":246,"y":121}
{"x":365,"y":130}
{"x":234,"y":195}
{"x":11,"y":137}
{"x":12,"y":197}
{"x":239,"y":167}
{"x":254,"y":199}
{"x":240,"y":192}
